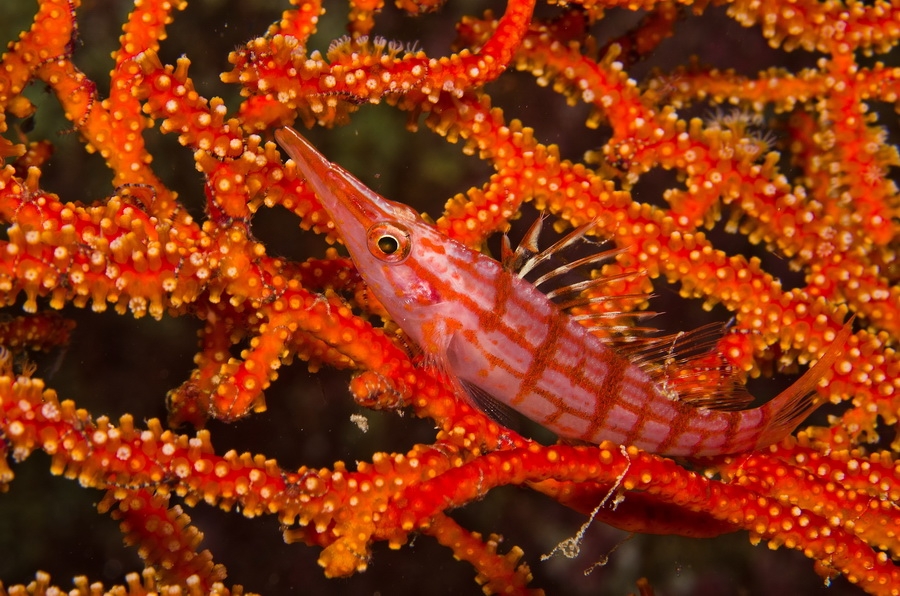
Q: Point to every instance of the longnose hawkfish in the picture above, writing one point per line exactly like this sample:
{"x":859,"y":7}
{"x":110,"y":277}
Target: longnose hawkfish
{"x":494,"y":333}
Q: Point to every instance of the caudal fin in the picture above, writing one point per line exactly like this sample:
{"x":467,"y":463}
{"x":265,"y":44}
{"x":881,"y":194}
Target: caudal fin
{"x":798,"y":401}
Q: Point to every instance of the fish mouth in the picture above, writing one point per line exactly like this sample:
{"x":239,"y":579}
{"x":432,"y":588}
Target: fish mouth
{"x":341,"y":194}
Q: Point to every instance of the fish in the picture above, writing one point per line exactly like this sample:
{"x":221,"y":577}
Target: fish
{"x":497,"y":336}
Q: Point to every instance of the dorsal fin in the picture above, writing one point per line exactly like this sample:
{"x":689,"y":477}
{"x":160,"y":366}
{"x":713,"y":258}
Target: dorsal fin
{"x":687,"y":366}
{"x":684,"y":365}
{"x":551,"y":272}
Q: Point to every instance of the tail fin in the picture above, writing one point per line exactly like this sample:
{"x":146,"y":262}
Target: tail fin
{"x":798,"y":401}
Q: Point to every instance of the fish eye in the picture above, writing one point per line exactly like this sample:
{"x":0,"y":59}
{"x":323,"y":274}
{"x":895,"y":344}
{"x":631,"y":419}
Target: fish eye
{"x":389,"y":242}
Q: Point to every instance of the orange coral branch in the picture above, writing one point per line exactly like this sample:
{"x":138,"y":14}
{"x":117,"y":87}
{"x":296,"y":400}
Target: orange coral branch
{"x":165,"y":537}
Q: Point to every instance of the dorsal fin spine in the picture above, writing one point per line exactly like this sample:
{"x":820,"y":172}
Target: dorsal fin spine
{"x":593,"y":259}
{"x":549,"y":252}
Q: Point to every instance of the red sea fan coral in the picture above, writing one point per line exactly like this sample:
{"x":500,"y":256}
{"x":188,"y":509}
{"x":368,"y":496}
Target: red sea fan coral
{"x":756,"y":179}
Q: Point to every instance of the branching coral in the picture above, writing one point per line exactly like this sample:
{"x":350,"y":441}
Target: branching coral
{"x":792,"y":158}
